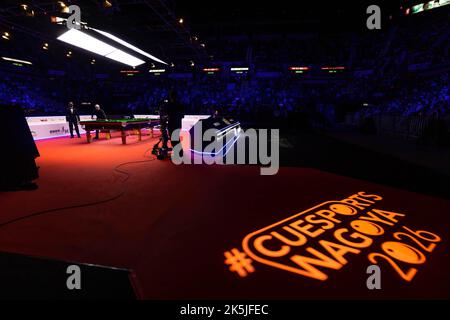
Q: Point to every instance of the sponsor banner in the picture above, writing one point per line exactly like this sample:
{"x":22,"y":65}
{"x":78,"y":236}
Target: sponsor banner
{"x":57,"y":126}
{"x":51,"y":127}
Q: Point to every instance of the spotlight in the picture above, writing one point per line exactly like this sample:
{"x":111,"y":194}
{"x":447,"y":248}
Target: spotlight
{"x":192,"y":63}
{"x":107,"y":4}
{"x":5,"y":35}
{"x":172,"y":65}
{"x":24,"y":7}
{"x":181,"y":21}
{"x":194,"y":38}
{"x":45,"y":46}
{"x":93,"y":61}
{"x":63,"y":6}
{"x":152,"y":65}
{"x":69,"y":54}
{"x":202,"y":45}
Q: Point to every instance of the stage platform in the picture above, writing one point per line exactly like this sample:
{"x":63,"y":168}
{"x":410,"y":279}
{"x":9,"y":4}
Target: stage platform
{"x":174,"y":226}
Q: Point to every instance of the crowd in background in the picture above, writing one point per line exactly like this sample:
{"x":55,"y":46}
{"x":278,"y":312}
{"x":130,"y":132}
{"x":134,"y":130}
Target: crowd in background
{"x":402,"y":70}
{"x":24,"y":92}
{"x":425,"y":98}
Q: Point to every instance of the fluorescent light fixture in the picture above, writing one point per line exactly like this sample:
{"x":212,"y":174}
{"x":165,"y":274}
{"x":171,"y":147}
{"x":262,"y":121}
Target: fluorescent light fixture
{"x":89,"y":43}
{"x":16,"y":60}
{"x":298,"y":68}
{"x":124,"y":57}
{"x":58,"y":20}
{"x":128,"y":45}
{"x":86,"y":42}
{"x":239,"y":69}
{"x":157,"y":70}
{"x":333,"y":68}
{"x":211,"y":69}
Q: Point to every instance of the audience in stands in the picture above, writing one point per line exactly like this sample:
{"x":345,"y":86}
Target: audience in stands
{"x":377,"y":80}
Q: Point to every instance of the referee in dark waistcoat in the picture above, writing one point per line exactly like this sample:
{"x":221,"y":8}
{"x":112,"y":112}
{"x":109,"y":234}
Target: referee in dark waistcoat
{"x":73,"y":118}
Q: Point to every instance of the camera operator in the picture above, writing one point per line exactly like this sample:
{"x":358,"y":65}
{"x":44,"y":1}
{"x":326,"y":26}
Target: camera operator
{"x":171,"y":114}
{"x":175,"y":113}
{"x":164,"y":122}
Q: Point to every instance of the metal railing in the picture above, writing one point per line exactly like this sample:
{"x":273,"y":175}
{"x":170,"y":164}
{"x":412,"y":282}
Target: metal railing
{"x":412,"y":127}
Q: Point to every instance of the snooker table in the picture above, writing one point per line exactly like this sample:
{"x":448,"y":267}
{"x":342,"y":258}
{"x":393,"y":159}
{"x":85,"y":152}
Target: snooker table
{"x":122,"y":125}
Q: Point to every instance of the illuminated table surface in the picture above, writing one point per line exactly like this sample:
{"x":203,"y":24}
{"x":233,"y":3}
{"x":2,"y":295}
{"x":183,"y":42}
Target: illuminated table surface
{"x":122,"y":125}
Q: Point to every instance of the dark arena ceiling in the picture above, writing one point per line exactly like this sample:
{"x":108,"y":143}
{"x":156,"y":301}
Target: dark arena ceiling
{"x":150,"y":25}
{"x":154,"y":25}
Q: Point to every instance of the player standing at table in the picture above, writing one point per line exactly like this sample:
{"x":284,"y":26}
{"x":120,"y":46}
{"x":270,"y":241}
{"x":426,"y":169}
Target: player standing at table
{"x":100,"y":114}
{"x":72,"y":117}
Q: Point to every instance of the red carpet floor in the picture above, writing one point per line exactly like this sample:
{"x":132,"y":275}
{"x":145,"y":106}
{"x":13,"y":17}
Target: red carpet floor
{"x":173,"y":224}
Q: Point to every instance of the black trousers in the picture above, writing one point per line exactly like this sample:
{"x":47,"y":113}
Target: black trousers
{"x":71,"y":125}
{"x":173,"y":125}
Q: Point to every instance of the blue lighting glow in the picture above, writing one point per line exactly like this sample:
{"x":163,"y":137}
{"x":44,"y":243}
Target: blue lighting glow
{"x":232,"y":142}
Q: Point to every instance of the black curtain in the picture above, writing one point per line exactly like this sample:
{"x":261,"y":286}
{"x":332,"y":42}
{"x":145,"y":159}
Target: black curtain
{"x":18,"y":150}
